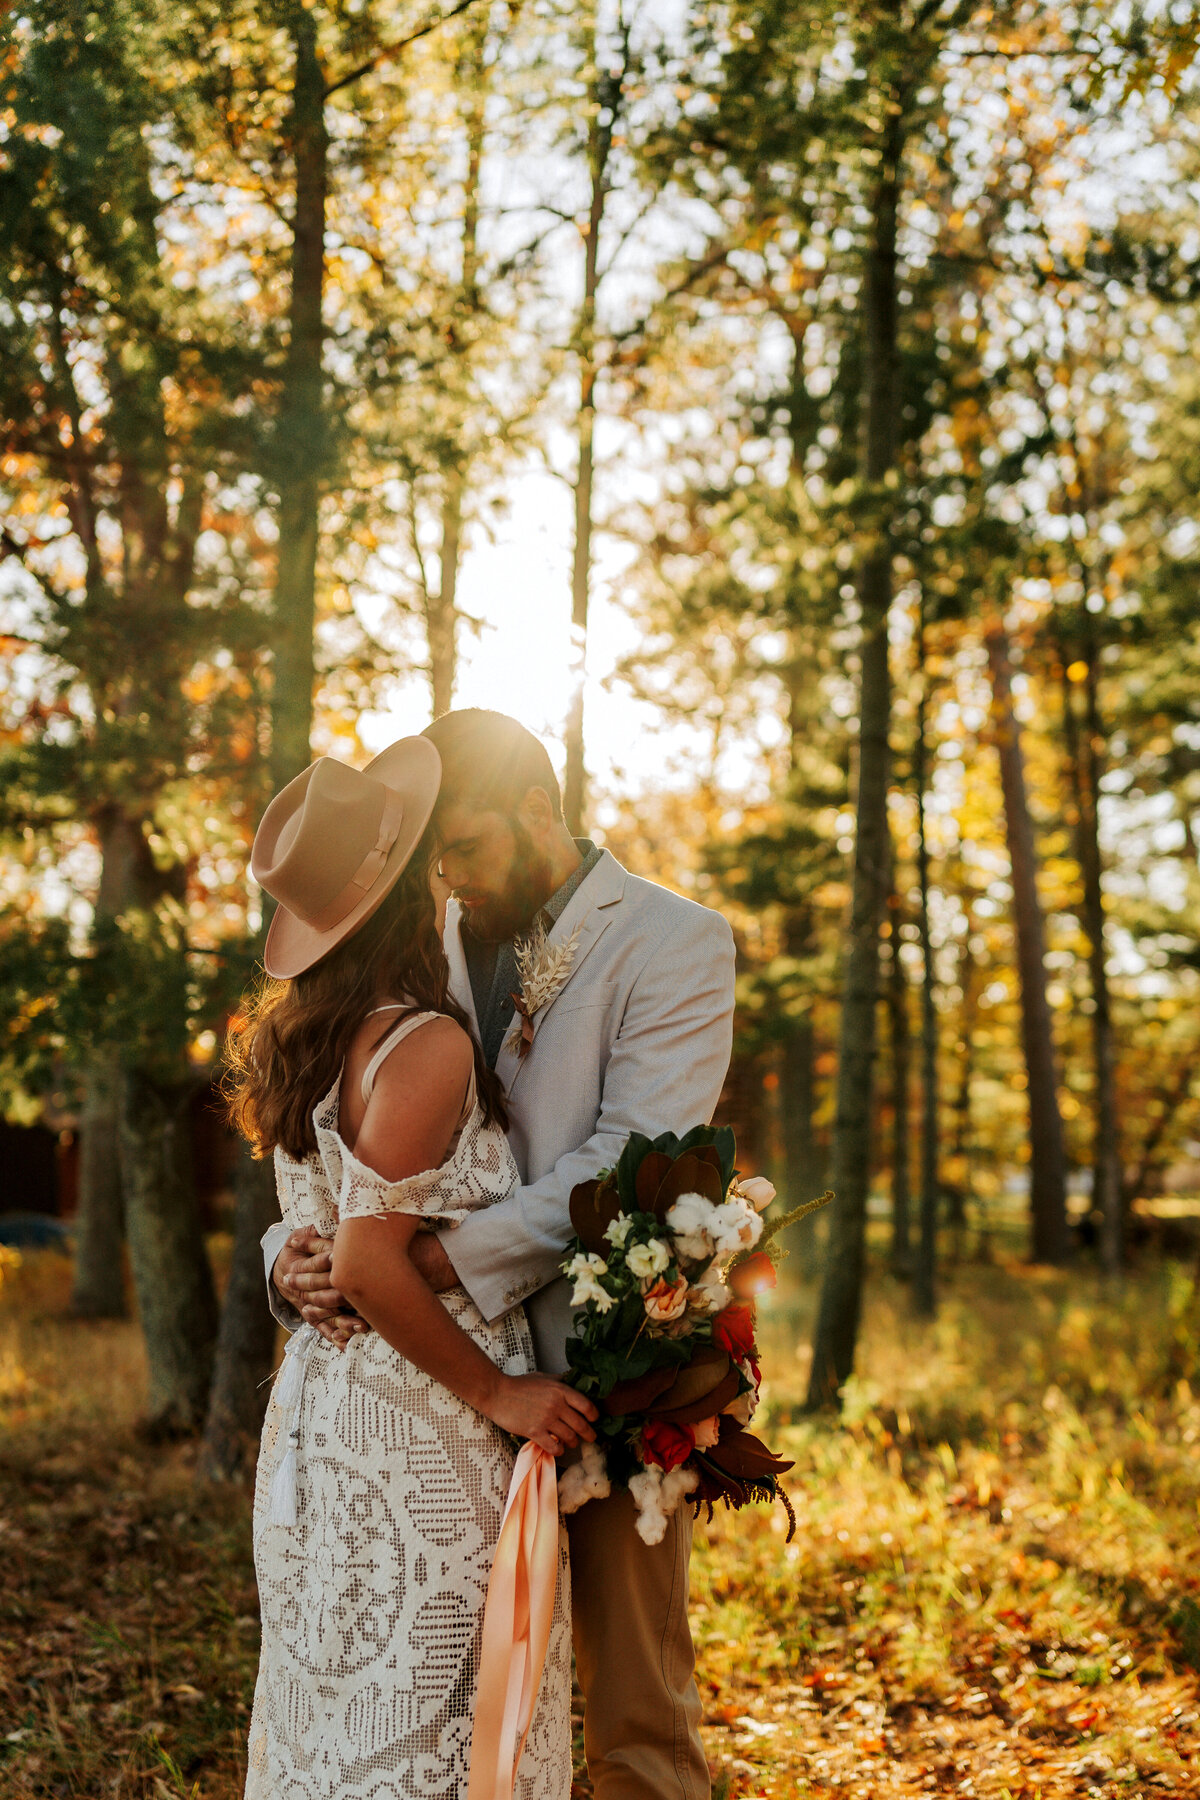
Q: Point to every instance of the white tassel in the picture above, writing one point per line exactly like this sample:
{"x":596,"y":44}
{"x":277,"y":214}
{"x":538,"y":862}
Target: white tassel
{"x":281,"y":1495}
{"x":289,"y":1393}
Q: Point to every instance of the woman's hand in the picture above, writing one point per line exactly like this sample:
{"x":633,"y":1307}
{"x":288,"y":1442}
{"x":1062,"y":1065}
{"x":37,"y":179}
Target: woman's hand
{"x":548,"y":1411}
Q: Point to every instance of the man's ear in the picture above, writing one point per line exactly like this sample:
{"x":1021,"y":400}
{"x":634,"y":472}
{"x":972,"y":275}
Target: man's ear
{"x":536,"y":813}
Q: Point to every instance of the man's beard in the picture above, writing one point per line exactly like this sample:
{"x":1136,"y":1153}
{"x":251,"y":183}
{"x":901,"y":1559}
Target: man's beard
{"x":529,"y":886}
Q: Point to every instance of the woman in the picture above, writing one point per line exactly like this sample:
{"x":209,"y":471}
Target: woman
{"x":385,"y":1462}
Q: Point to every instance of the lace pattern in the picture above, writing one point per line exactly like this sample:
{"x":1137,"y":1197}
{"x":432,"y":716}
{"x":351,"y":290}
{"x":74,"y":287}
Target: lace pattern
{"x":372,"y":1601}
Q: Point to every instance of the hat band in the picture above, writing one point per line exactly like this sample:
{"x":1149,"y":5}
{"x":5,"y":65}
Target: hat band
{"x":369,"y":869}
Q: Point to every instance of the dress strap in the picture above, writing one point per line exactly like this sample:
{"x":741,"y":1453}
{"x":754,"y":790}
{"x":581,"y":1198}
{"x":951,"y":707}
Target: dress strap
{"x":395,"y":1036}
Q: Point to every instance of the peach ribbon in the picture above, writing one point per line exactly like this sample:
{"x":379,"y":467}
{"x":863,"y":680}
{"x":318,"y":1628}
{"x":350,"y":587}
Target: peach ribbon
{"x":516,"y":1625}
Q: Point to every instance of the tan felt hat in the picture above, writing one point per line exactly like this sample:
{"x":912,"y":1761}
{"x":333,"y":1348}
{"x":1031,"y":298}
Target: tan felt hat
{"x":334,"y":841}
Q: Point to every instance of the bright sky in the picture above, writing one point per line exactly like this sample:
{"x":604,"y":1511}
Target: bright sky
{"x":520,"y":585}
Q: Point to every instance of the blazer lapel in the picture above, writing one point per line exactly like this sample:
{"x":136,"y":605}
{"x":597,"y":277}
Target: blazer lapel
{"x":460,"y":980}
{"x":590,"y":910}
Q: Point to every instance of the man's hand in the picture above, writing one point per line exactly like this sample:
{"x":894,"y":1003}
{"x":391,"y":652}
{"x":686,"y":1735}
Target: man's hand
{"x":431,"y":1262}
{"x":302,"y":1275}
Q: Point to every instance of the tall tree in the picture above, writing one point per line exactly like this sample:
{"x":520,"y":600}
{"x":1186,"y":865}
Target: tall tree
{"x":1050,"y":1231}
{"x":841,"y":1293}
{"x":608,"y":71}
{"x":117,"y":395}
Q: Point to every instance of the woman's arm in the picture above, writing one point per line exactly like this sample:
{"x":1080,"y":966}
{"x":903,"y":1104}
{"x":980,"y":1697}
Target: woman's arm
{"x":405,"y":1129}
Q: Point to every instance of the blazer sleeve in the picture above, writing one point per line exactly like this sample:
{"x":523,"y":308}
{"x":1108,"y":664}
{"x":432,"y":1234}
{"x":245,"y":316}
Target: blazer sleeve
{"x":665,"y":1073}
{"x":273,"y":1240}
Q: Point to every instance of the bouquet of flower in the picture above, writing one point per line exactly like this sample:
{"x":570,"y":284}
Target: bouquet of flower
{"x":670,"y":1249}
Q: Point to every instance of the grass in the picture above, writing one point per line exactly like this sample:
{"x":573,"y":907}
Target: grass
{"x":993,"y":1589}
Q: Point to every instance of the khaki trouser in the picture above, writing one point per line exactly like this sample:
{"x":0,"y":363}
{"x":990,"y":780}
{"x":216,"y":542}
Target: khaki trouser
{"x":633,"y":1652}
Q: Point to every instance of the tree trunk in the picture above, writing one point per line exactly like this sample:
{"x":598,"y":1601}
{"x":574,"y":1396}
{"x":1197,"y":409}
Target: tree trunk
{"x":1050,"y":1232}
{"x":961,"y":1138}
{"x":1086,"y":767}
{"x":247,"y":1334}
{"x":302,"y":442}
{"x":797,"y":1103}
{"x":127,"y":878}
{"x":246,"y":1344}
{"x":606,"y":100}
{"x":171,"y":1273}
{"x":441,"y":613}
{"x":841,"y":1291}
{"x":900,"y":1038}
{"x":98,"y":1291}
{"x":924,"y":1291}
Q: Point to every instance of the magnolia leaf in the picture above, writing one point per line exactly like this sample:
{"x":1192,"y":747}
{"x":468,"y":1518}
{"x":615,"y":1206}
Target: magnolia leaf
{"x":712,"y":1400}
{"x":636,"y":1395}
{"x":594,"y":1205}
{"x":690,"y":1174}
{"x":653,"y":1172}
{"x":744,"y":1457}
{"x":628,"y":1164}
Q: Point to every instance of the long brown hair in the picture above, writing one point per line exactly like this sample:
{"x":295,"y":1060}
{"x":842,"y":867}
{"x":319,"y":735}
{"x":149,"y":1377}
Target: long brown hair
{"x":287,"y":1046}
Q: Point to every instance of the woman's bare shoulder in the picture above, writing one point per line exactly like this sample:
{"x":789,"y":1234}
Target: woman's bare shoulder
{"x":438,"y":1050}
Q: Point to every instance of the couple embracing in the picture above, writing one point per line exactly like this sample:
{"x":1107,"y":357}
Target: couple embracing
{"x":429,"y":1120}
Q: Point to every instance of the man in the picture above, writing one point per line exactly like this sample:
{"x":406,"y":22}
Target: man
{"x":636,"y":1038}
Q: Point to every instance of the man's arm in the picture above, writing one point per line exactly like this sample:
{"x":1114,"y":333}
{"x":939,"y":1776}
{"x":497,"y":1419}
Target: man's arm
{"x":275,"y":1238}
{"x":300,"y":1286}
{"x":665,"y":1073}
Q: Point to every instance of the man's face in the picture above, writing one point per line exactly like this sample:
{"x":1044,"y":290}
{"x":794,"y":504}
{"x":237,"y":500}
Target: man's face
{"x":495,"y":869}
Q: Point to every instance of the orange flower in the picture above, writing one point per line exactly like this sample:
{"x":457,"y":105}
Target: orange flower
{"x":666,"y":1300}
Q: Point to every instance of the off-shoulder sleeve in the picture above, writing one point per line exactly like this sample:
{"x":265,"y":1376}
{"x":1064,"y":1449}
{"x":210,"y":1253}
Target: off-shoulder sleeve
{"x":360,"y":1192}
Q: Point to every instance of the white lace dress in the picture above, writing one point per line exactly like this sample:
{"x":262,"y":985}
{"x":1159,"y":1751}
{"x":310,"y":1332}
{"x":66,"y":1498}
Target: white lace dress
{"x":372,"y":1601}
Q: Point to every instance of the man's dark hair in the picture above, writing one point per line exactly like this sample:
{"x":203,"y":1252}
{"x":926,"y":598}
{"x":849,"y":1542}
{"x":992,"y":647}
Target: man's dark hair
{"x":490,"y":761}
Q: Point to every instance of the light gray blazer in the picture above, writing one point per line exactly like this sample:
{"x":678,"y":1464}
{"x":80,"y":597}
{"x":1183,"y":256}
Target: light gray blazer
{"x":637,"y":1039}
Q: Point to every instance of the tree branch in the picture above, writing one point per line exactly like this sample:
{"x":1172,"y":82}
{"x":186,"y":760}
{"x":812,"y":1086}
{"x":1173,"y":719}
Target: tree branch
{"x":393,"y":50}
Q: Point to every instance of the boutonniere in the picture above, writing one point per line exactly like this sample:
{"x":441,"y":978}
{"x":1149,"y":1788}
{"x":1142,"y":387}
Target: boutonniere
{"x":543,"y":968}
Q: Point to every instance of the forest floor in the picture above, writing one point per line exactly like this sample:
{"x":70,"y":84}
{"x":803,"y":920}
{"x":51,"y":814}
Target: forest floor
{"x":993,"y":1590}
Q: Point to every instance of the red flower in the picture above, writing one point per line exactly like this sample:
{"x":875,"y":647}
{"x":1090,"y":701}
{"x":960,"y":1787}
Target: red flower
{"x":752,"y":1276}
{"x":733,"y":1330}
{"x":666,"y":1445}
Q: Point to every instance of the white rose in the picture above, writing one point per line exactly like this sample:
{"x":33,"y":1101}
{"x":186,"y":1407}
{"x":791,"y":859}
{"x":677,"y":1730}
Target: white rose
{"x":647,"y":1260}
{"x":619,"y":1230}
{"x":587,"y":1291}
{"x":585,"y":1272}
{"x":690,"y":1222}
{"x":584,"y":1264}
{"x":738,"y":1227}
{"x":757,"y":1190}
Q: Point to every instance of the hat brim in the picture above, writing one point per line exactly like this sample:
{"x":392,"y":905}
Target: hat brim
{"x":412,"y":769}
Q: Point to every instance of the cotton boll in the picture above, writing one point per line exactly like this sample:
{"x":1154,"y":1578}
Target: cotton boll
{"x":710,"y":1295}
{"x":656,"y":1496}
{"x":584,"y":1480}
{"x":690,"y":1223}
{"x":738,"y":1227}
